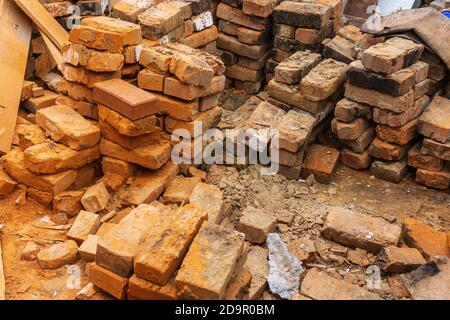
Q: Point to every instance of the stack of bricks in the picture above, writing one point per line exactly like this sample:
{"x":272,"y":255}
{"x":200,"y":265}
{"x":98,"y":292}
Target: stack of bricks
{"x":70,"y":13}
{"x":245,"y":41}
{"x":386,"y":92}
{"x":100,"y":49}
{"x":187,"y":21}
{"x":186,"y":83}
{"x":307,"y":88}
{"x":58,"y":153}
{"x":153,"y":253}
{"x":300,"y":26}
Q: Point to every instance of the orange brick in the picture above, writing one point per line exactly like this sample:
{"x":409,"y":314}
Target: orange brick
{"x":174,"y":87}
{"x":150,"y":80}
{"x":201,"y":38}
{"x":145,"y":290}
{"x":108,"y":281}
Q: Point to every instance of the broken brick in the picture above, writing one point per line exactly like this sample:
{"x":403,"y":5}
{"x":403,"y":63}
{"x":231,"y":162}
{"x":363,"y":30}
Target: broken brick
{"x":85,"y":224}
{"x":256,"y":224}
{"x":210,"y":198}
{"x":95,"y":198}
{"x":400,"y":260}
{"x":296,"y":67}
{"x":434,"y":122}
{"x":401,"y":135}
{"x":58,"y":255}
{"x":392,"y":171}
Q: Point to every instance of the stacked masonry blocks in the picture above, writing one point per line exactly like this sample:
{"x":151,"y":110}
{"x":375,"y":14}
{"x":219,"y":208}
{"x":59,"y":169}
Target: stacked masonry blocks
{"x":387,"y":109}
{"x":245,"y":41}
{"x":301,"y":26}
{"x":186,"y":83}
{"x":305,"y":90}
{"x":190,"y":22}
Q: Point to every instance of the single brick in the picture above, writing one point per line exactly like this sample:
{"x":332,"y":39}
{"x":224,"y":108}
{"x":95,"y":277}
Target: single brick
{"x":434,"y":122}
{"x":95,"y":198}
{"x":392,"y":171}
{"x":256,"y":224}
{"x":321,"y":162}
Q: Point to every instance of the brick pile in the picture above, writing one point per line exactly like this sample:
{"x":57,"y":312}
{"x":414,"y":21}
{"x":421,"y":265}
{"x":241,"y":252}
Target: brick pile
{"x":379,"y":119}
{"x":307,"y":88}
{"x":302,"y":26}
{"x":187,"y":21}
{"x":245,"y":41}
{"x":186,"y":83}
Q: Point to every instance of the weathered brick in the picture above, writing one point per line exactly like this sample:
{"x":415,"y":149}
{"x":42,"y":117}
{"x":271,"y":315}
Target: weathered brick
{"x":395,"y":84}
{"x":127,"y":11}
{"x":400,"y":260}
{"x":68,"y":202}
{"x":435,"y":179}
{"x":243,"y":74}
{"x":29,"y":135}
{"x":396,"y":120}
{"x":151,"y":157}
{"x":174,"y":87}
{"x":283,"y":30}
{"x":45,"y":101}
{"x":210,"y":198}
{"x":108,"y":281}
{"x":236,"y":16}
{"x":253,"y":37}
{"x":86,"y":109}
{"x":159,"y":20}
{"x":88,"y":248}
{"x":168,"y":241}
{"x":426,"y":239}
{"x":296,"y":67}
{"x":85,"y":224}
{"x":43,"y":198}
{"x":126,"y":99}
{"x":350,"y":130}
{"x":321,"y":162}
{"x":97,"y":38}
{"x":427,"y":162}
{"x":323,"y":80}
{"x":339,"y":49}
{"x":86,"y":77}
{"x":422,"y":88}
{"x":125,"y":126}
{"x":383,"y":58}
{"x":356,"y":160}
{"x":392,"y":171}
{"x":413,"y":51}
{"x":145,"y":290}
{"x":294,"y":130}
{"x":58,"y":255}
{"x":258,"y":266}
{"x":228,"y":28}
{"x":7,"y":185}
{"x":420,"y":69}
{"x":59,"y":9}
{"x":387,"y":151}
{"x":232,"y":44}
{"x":148,"y":186}
{"x":191,"y":69}
{"x":291,"y":45}
{"x":401,"y":135}
{"x":255,"y":64}
{"x":217,"y":249}
{"x":302,"y":15}
{"x":258,"y":8}
{"x":112,"y":134}
{"x":380,"y":100}
{"x":68,"y":127}
{"x":98,"y":61}
{"x":55,"y":183}
{"x":117,"y":248}
{"x":434,"y":122}
{"x":179,"y":190}
{"x":313,"y":36}
{"x":436,"y":149}
{"x":95,"y":198}
{"x":290,"y":94}
{"x":256,"y":224}
{"x":239,"y":285}
{"x":208,"y":119}
{"x":347,"y":110}
{"x":50,"y":157}
{"x":359,"y":230}
{"x":317,"y":284}
{"x":201,"y":38}
{"x":156,"y":59}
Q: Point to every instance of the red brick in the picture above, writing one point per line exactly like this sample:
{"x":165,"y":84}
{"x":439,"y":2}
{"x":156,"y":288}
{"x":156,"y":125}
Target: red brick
{"x":357,"y":230}
{"x":296,"y":67}
{"x":98,"y":61}
{"x":355,"y":160}
{"x":243,"y":74}
{"x":321,"y":162}
{"x":418,"y":160}
{"x":302,"y":15}
{"x":392,"y":171}
{"x":108,"y":281}
{"x":145,"y":290}
{"x":256,"y":224}
{"x":232,"y":44}
{"x":178,"y":89}
{"x":159,"y":20}
{"x":434,"y":179}
{"x":427,"y":240}
{"x":387,"y":151}
{"x":436,"y":149}
{"x":347,"y":110}
{"x":383,"y":58}
{"x":351,"y":130}
{"x":201,"y":38}
{"x":401,"y":135}
{"x":258,"y":8}
{"x":191,"y":69}
{"x":130,"y":101}
{"x":236,"y":16}
{"x":434,"y":123}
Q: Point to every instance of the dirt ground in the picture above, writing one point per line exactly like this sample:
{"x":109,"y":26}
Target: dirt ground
{"x":307,"y":203}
